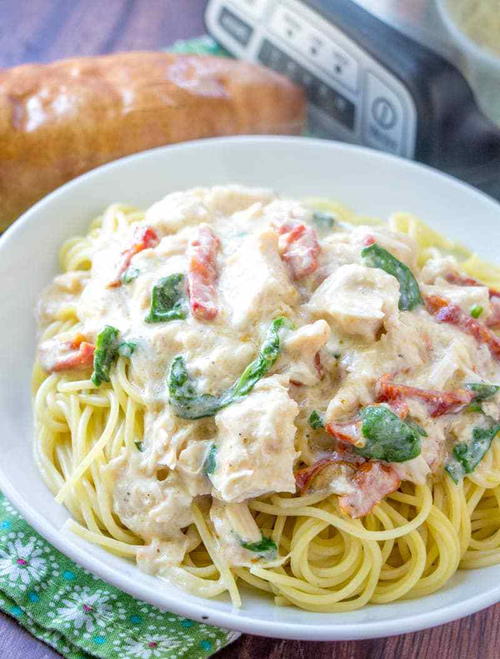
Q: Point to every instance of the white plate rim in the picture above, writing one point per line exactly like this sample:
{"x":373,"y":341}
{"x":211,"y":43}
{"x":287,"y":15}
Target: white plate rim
{"x":234,"y":619}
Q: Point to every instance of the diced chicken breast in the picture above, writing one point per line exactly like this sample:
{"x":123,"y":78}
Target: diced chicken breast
{"x":190,"y":467}
{"x":62,"y":294}
{"x":229,"y":199}
{"x":301,"y":349}
{"x":255,"y":444}
{"x":357,"y":300}
{"x":158,"y":555}
{"x":465,"y":297}
{"x":234,"y":524}
{"x":438,"y":267}
{"x":178,"y":210}
{"x":415,"y":471}
{"x":150,"y":505}
{"x":400,"y":245}
{"x":255,"y":283}
{"x":373,"y":481}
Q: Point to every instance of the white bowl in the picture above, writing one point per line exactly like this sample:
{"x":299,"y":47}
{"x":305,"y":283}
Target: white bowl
{"x":368,"y":181}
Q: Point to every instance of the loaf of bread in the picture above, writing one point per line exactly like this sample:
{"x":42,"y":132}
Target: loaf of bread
{"x":59,"y":120}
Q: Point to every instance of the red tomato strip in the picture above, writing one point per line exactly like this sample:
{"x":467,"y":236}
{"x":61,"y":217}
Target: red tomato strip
{"x":460,"y":280}
{"x":304,"y":477}
{"x":446,"y":312}
{"x":202,"y":273}
{"x":373,"y":481}
{"x":144,"y":238}
{"x":349,"y":432}
{"x":439,"y":402}
{"x":68,"y":355}
{"x":494,"y":320}
{"x":299,"y":248}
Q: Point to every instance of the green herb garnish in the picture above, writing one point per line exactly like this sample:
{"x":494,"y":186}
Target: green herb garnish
{"x":126,"y":348}
{"x":139,"y":446}
{"x":454,"y":470}
{"x":387,"y":436}
{"x":482,"y":390}
{"x":323,"y":220}
{"x":189,"y":403}
{"x":168,"y":300}
{"x":316,"y":420}
{"x":470,"y":454}
{"x":106,"y":352}
{"x":409,"y":292}
{"x":265,"y":547}
{"x":130,"y":274}
{"x":210,"y":462}
{"x":476,"y":310}
{"x":107,"y":349}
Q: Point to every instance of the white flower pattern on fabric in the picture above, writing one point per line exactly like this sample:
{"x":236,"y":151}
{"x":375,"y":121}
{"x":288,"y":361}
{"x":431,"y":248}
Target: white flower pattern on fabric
{"x":84,"y":609}
{"x":22,"y":562}
{"x":89,"y":612}
{"x":150,"y":648}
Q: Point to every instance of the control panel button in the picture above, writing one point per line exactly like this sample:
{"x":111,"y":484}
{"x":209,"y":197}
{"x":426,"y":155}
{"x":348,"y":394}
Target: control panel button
{"x":315,"y":45}
{"x":254,"y":7}
{"x":383,"y":116}
{"x":332,"y":102}
{"x":235,"y":26}
{"x":327,"y":99}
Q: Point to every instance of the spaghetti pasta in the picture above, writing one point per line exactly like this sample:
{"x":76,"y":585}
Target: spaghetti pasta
{"x":409,"y":544}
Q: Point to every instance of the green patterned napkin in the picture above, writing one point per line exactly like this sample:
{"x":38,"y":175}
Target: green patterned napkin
{"x":80,"y":615}
{"x":76,"y":613}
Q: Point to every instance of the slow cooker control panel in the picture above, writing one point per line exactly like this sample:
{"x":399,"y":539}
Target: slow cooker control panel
{"x":351,"y":96}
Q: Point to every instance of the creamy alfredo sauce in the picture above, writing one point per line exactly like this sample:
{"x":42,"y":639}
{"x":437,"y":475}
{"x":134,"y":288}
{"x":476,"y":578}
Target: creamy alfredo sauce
{"x":248,"y":258}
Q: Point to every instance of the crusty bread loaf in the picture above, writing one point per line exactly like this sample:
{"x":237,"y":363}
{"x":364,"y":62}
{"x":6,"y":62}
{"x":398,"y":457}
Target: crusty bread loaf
{"x":60,"y":120}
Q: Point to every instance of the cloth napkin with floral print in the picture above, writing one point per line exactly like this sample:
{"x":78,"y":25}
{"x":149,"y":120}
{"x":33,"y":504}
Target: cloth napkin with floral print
{"x":76,"y":613}
{"x":81,"y":616}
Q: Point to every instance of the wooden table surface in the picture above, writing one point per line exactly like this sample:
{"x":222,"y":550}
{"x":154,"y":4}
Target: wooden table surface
{"x":43,"y":30}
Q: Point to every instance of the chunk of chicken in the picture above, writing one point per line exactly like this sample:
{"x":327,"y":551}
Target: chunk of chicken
{"x":357,"y":300}
{"x":178,"y":210}
{"x":229,"y":199}
{"x":465,"y":297}
{"x":150,"y":505}
{"x":61,"y":295}
{"x":301,"y":348}
{"x":255,"y":444}
{"x":234,"y":524}
{"x":401,"y":245}
{"x":255,"y":283}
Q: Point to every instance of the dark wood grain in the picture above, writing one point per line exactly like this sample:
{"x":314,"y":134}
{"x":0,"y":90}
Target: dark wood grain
{"x":44,"y":30}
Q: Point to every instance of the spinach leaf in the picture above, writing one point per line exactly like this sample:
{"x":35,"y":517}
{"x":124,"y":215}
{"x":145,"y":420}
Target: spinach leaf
{"x":455,"y":470}
{"x":470,"y":454}
{"x":316,"y":420}
{"x":387,"y":437}
{"x":210,"y":462}
{"x":107,"y":349}
{"x":168,"y":300}
{"x":409,"y":292}
{"x":189,"y":403}
{"x":265,"y":360}
{"x":418,"y":429}
{"x":482,"y":390}
{"x":265,"y":547}
{"x":106,"y":352}
{"x":130,"y":274}
{"x":126,"y":348}
{"x":323,"y":220}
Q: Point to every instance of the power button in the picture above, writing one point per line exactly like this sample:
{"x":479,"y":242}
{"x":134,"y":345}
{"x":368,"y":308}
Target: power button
{"x":384,"y":117}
